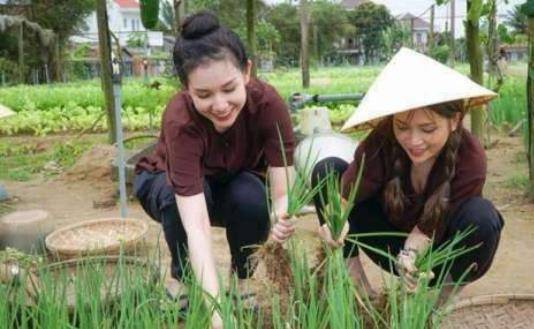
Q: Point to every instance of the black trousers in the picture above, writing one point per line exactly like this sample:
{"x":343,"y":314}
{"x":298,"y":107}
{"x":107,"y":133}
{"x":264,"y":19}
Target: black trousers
{"x":369,"y":217}
{"x":238,"y":203}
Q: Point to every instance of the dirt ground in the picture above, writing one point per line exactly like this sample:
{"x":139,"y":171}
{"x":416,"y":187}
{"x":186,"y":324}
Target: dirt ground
{"x":87,"y":191}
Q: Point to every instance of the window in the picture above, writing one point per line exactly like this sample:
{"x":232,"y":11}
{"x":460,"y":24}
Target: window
{"x":133,"y":24}
{"x":125,"y":23}
{"x":419,"y":38}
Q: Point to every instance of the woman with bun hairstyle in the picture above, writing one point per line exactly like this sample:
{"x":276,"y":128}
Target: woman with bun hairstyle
{"x":219,"y":140}
{"x":423,"y":173}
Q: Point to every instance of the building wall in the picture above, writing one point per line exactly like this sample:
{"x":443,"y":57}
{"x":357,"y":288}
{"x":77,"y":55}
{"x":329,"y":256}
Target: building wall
{"x":122,"y":22}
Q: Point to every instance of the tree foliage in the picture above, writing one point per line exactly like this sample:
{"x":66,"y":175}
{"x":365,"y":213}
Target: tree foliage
{"x":370,"y":21}
{"x":64,"y":17}
{"x":149,"y":13}
{"x":285,"y":19}
{"x":517,"y":20}
{"x":167,"y":15}
{"x":329,"y":23}
{"x":395,"y":37}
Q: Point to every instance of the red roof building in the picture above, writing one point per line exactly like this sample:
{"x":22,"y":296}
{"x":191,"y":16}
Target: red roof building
{"x":127,"y":3}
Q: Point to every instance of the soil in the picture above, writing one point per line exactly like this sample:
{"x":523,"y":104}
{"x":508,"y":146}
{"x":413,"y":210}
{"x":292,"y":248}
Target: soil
{"x":87,"y":192}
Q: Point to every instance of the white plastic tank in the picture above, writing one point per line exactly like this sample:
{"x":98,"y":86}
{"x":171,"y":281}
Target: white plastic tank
{"x":317,"y":147}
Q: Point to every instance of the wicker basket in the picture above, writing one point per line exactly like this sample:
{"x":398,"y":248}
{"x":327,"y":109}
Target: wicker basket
{"x":96,"y":237}
{"x":505,"y":311}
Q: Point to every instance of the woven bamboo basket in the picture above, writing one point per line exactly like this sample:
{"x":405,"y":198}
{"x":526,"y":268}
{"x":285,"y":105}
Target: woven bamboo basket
{"x":504,"y":311}
{"x":96,"y":237}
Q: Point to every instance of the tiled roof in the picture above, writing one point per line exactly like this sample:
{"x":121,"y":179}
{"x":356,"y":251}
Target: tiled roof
{"x":418,"y":23}
{"x":127,"y":3}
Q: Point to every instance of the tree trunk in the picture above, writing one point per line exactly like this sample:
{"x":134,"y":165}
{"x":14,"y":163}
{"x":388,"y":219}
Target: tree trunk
{"x":412,"y":31}
{"x":530,"y":105}
{"x":494,"y":77}
{"x":21,"y":52}
{"x":179,"y":14}
{"x":431,"y":33}
{"x":104,"y":44}
{"x":491,"y":50}
{"x":474,"y":55}
{"x":251,"y":35}
{"x":304,"y":43}
{"x":452,"y":54}
{"x":56,"y":60}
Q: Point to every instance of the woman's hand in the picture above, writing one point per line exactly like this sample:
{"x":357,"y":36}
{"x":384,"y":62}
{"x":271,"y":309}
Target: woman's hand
{"x":407,"y":270}
{"x":326,"y":235}
{"x":283,"y":228}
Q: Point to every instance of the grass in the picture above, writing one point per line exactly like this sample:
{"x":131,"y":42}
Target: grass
{"x":510,"y":106}
{"x":22,"y":161}
{"x":517,"y":181}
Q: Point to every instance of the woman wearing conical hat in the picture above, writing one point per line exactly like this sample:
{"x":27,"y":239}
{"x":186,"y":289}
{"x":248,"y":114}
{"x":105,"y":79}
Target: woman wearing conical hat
{"x":423,"y":172}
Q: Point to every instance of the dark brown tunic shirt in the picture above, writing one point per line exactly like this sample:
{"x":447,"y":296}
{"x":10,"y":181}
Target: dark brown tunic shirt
{"x":378,"y":170}
{"x":189,"y":147}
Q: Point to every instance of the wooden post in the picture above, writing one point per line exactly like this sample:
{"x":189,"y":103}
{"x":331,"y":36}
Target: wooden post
{"x":431,"y":34}
{"x":494,"y":77}
{"x":251,"y":35}
{"x":21,"y":52}
{"x":530,"y":103}
{"x":104,"y":44}
{"x":452,"y":54}
{"x":304,"y":43}
{"x":474,"y":55}
{"x":56,"y":70}
{"x":492,"y":49}
{"x":412,"y":37}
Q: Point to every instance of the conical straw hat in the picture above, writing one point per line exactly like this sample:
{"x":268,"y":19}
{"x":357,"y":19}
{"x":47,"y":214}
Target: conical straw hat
{"x":5,"y":111}
{"x":410,"y":81}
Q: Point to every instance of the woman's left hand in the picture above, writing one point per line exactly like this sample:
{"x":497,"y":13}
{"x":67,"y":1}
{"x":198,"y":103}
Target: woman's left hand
{"x":407,"y":270}
{"x":282,"y":229}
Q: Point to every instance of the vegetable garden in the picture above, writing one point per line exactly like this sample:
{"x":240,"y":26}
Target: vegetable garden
{"x":318,"y":292}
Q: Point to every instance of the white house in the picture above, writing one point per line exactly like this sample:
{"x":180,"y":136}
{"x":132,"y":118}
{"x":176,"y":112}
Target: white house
{"x":420,"y":30}
{"x":124,"y":19}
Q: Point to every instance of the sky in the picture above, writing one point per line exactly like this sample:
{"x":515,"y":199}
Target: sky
{"x":418,"y":7}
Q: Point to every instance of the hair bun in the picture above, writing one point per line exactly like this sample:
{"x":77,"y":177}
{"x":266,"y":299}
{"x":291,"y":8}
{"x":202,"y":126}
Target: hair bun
{"x":199,"y":25}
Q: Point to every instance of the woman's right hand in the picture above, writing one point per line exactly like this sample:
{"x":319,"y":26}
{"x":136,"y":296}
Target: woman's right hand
{"x":326,"y":235}
{"x":282,"y":229}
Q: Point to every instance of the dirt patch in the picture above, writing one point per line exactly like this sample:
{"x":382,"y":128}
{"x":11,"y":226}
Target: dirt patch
{"x":94,"y":165}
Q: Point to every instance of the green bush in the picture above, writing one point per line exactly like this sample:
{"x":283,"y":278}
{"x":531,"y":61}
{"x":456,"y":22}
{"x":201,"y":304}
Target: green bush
{"x":440,"y":53}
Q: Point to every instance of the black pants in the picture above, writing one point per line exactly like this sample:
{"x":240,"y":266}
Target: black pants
{"x":369,"y":217}
{"x":238,"y":203}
